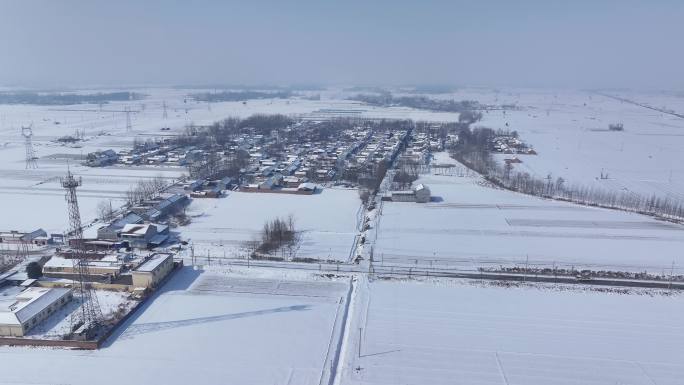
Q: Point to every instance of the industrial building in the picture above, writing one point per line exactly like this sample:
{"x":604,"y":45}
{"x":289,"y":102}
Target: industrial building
{"x":152,"y":271}
{"x":100,"y":270}
{"x":29,"y":308}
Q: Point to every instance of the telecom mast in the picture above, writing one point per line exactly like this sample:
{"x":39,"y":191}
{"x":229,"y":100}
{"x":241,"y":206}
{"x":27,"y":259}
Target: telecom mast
{"x":89,"y":316}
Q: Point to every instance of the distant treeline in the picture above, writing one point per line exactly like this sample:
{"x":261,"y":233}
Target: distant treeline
{"x":420,"y":102}
{"x":473,"y":150}
{"x":61,"y":99}
{"x":237,"y":96}
{"x":435,"y":89}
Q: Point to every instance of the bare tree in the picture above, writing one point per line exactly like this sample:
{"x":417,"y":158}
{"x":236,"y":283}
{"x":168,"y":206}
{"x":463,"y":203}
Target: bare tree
{"x":105,"y":211}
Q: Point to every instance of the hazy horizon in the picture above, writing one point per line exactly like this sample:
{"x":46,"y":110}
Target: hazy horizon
{"x":582,"y":44}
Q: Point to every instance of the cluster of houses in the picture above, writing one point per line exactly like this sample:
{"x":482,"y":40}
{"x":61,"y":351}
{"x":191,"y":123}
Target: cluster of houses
{"x":287,"y":158}
{"x":140,"y":227}
{"x":509,"y":144}
{"x":37,"y":237}
{"x":162,"y":152}
{"x":209,"y":188}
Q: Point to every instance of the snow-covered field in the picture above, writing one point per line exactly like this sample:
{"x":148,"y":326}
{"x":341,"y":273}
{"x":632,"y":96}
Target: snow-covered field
{"x":569,"y":130}
{"x":328,"y":219}
{"x":204,"y":328}
{"x":471,"y":225}
{"x":421,"y":333}
{"x":34,"y":198}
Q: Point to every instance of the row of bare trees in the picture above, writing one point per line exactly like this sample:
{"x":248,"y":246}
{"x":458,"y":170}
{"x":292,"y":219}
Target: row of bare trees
{"x":145,"y":189}
{"x":473,"y":151}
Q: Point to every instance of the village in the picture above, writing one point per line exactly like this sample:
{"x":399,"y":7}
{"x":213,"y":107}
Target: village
{"x":50,"y":283}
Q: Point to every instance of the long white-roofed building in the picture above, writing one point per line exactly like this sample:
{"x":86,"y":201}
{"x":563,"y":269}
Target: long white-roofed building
{"x":20,"y":313}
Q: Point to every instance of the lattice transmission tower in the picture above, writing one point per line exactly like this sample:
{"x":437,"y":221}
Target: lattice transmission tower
{"x":89,"y":316}
{"x":27,"y":133}
{"x":129,"y":123}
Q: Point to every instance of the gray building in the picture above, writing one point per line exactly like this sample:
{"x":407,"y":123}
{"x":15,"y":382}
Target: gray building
{"x":145,"y":236}
{"x":111,"y":231}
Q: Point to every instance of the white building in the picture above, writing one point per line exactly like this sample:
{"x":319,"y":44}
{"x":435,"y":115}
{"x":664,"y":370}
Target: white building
{"x":30,"y":307}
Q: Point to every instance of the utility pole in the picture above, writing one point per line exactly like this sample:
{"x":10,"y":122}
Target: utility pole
{"x":129,"y":124}
{"x":360,"y":331}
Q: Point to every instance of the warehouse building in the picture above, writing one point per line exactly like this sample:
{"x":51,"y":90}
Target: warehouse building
{"x":29,"y":308}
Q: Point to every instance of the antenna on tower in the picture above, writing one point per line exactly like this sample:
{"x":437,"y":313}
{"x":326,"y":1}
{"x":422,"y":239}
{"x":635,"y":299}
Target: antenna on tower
{"x":89,"y":316}
{"x":165,"y":114}
{"x":27,"y":133}
{"x":129,"y":125}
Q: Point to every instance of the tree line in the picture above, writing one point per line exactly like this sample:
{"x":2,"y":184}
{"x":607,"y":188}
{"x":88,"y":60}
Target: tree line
{"x":473,"y":150}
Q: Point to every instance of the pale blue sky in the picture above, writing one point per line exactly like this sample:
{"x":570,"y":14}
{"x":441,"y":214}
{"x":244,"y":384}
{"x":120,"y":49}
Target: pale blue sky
{"x":508,"y":43}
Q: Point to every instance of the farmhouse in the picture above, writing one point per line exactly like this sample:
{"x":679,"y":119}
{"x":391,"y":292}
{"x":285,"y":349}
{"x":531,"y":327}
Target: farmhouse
{"x":111,"y":231}
{"x":144,"y":236}
{"x":29,"y":308}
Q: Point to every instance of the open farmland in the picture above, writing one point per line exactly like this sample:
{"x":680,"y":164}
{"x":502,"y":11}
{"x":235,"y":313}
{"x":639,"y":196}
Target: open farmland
{"x":569,"y":130}
{"x":418,"y":333}
{"x":209,"y":326}
{"x":328,"y":220}
{"x":469,"y":225}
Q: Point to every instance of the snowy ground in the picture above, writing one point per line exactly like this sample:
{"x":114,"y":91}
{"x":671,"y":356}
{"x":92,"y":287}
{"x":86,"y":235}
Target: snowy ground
{"x":471,"y":225}
{"x":419,"y":333}
{"x":569,"y":130}
{"x":37,"y":199}
{"x":204,"y":327}
{"x":328,"y":219}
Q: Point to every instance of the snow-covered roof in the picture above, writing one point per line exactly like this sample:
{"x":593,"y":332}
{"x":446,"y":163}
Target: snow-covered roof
{"x":307,"y":186}
{"x":135,"y":229}
{"x":57,"y":261}
{"x":419,"y":187}
{"x":29,"y":303}
{"x":152,"y":263}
